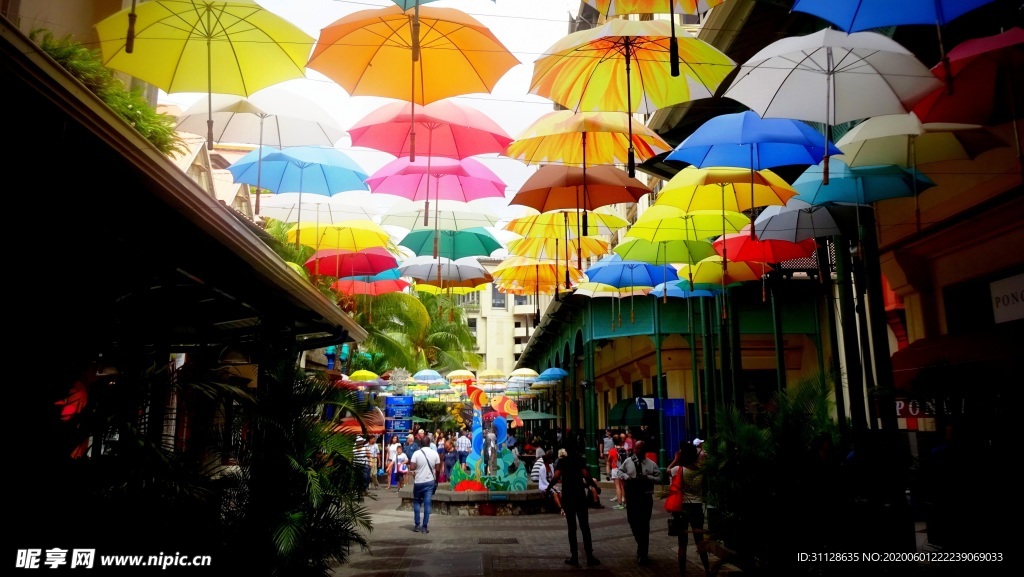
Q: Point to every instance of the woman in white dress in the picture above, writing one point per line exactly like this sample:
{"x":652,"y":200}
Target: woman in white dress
{"x":389,"y":469}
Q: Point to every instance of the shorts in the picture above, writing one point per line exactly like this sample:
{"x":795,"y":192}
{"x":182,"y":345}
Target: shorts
{"x":615,"y":474}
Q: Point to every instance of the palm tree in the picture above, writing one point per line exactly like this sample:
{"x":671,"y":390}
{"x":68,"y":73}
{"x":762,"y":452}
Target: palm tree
{"x":417,"y":331}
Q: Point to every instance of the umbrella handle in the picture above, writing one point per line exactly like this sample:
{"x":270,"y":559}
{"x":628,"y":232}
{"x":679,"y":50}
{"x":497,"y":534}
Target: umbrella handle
{"x":673,"y":42}
{"x":129,"y":40}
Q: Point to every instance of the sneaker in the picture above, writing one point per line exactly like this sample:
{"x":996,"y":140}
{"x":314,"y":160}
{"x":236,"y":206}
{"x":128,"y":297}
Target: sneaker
{"x":619,"y":507}
{"x":614,"y":500}
{"x":425,"y":530}
{"x":643,"y":561}
{"x":592,"y":562}
{"x":572,"y":561}
{"x":416,"y":529}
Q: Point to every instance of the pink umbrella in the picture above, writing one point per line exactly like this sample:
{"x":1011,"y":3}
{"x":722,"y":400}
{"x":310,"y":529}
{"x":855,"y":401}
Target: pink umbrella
{"x":372,"y":288}
{"x":452,"y":130}
{"x":344,"y":262}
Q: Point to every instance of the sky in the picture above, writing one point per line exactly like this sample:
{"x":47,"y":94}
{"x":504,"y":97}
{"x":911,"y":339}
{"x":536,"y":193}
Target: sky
{"x":525,"y":27}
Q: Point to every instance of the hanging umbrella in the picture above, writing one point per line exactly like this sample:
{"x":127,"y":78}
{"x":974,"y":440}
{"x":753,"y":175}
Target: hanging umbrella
{"x":339,"y":262}
{"x":522,"y":275}
{"x":902,"y":139}
{"x":350,"y":235}
{"x":665,"y":251}
{"x":555,"y":373}
{"x":832,"y":77}
{"x":591,"y":70}
{"x":428,"y":376}
{"x":553,"y":248}
{"x":326,"y":210}
{"x":860,"y":185}
{"x":369,"y":53}
{"x":228,"y":47}
{"x":451,"y":244}
{"x":425,"y":269}
{"x":452,"y":130}
{"x":674,"y":289}
{"x":742,"y":248}
{"x":796,"y":221}
{"x":378,"y":284}
{"x":555,"y":186}
{"x":746,"y":140}
{"x":466,"y":217}
{"x":449,"y":290}
{"x":724,"y":188}
{"x":585,"y":139}
{"x":989,"y":83}
{"x":858,"y":15}
{"x":687,"y":7}
{"x":491,"y":375}
{"x":617,"y":272}
{"x":712,"y":271}
{"x":593,"y":290}
{"x":305,"y":169}
{"x":462,"y":180}
{"x":556,"y":224}
{"x":524,"y":372}
{"x":667,"y":223}
{"x":460,"y":375}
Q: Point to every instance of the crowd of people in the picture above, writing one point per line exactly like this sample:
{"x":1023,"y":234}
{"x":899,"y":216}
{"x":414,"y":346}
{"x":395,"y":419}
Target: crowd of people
{"x":560,"y":471}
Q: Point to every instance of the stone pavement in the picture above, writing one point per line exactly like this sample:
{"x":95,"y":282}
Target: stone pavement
{"x":511,"y":546}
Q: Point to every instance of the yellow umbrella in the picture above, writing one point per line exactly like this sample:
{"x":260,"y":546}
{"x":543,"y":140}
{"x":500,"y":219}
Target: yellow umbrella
{"x":724,"y":188}
{"x":228,"y":47}
{"x":555,"y":248}
{"x":557,"y":224}
{"x":460,"y":374}
{"x":712,"y":270}
{"x":491,"y":375}
{"x":451,"y":290}
{"x":522,"y":275}
{"x":592,"y":70}
{"x":585,"y":139}
{"x":666,"y":223}
{"x":601,"y":290}
{"x":524,"y":372}
{"x":349,"y":235}
{"x":363,"y":376}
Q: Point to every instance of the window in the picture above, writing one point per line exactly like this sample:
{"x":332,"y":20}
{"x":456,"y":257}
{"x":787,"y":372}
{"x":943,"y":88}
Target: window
{"x":521,"y":300}
{"x":472,"y":325}
{"x":497,"y":298}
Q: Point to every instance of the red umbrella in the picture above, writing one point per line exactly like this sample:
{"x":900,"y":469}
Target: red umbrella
{"x":372,"y":288}
{"x":343,"y":262}
{"x":452,"y":130}
{"x":741,"y":247}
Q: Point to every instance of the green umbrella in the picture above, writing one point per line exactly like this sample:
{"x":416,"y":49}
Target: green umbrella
{"x":530,"y":414}
{"x":453,"y":244}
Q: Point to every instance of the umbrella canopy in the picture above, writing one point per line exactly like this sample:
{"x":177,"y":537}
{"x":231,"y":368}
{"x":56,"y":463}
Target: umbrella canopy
{"x":491,"y":375}
{"x":371,"y":286}
{"x":363,"y":375}
{"x":522,"y":275}
{"x":555,"y":373}
{"x":426,"y":269}
{"x":666,"y":251}
{"x":856,"y":15}
{"x":723,"y":188}
{"x":832,"y":77}
{"x":615,"y":271}
{"x":437,"y":178}
{"x":451,"y":244}
{"x":327,"y":210}
{"x":601,"y":290}
{"x":712,"y":271}
{"x":860,"y":185}
{"x":272,"y":116}
{"x":524,"y":372}
{"x":428,"y":376}
{"x":229,"y":47}
{"x":555,"y":186}
{"x":305,"y":169}
{"x":661,"y":223}
{"x":620,"y":7}
{"x":902,"y":139}
{"x":460,"y":375}
{"x":746,"y":140}
{"x":449,"y":290}
{"x":531,"y":415}
{"x":450,"y":129}
{"x":563,"y":224}
{"x":742,"y":248}
{"x":592,"y":70}
{"x":987,"y":79}
{"x":468,"y":217}
{"x":366,"y":52}
{"x":675,"y":289}
{"x":796,"y":221}
{"x":339,"y":262}
{"x":585,"y":139}
{"x":555,"y":248}
{"x":350,"y":235}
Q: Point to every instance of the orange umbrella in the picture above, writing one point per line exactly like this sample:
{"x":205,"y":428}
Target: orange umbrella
{"x":551,"y":249}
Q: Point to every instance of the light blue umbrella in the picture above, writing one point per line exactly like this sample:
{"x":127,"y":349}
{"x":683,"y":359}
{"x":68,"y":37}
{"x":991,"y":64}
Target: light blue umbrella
{"x":428,"y":376}
{"x":676,"y":289}
{"x":552,"y":374}
{"x":618,"y":272}
{"x":305,"y":169}
{"x":859,"y":184}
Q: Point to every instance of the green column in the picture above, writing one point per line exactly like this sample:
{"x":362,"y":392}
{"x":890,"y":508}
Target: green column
{"x":660,"y":392}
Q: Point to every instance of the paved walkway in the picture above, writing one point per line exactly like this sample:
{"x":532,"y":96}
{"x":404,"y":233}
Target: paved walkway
{"x":510,"y":546}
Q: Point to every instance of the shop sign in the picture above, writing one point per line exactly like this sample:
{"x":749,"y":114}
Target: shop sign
{"x":1008,"y":299}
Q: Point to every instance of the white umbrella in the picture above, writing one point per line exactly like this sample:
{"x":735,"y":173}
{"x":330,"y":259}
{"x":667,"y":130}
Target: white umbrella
{"x":272,"y":117}
{"x":429,"y":269}
{"x":460,"y":219}
{"x":832,"y":77}
{"x":327,"y":210}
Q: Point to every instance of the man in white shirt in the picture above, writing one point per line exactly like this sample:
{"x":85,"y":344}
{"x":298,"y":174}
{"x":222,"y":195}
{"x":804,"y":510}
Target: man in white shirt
{"x":640,"y":474}
{"x":425,"y":465}
{"x":464,"y":445}
{"x":362,"y":461}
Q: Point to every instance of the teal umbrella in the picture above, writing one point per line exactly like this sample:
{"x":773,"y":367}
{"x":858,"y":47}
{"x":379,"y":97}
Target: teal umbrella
{"x":452,"y":244}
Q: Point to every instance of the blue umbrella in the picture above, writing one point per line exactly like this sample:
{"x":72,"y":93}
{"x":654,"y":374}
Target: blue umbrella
{"x":860,"y":184}
{"x":306,"y":169}
{"x":676,"y":289}
{"x":552,"y":374}
{"x":745,"y":140}
{"x":618,"y":272}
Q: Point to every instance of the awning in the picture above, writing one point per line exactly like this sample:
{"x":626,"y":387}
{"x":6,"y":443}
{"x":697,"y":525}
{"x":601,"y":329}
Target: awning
{"x":976,"y":355}
{"x":626,"y":413}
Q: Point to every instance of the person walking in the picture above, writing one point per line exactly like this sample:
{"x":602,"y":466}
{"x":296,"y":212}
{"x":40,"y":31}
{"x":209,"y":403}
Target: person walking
{"x":401,"y":466}
{"x":425,"y":466}
{"x":451,"y":457}
{"x":640,"y":474}
{"x":390,"y":469}
{"x":361,"y":458}
{"x":373,"y":450}
{"x":573,"y":474}
{"x":463,"y":444}
{"x":686,"y":503}
{"x":615,"y":458}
